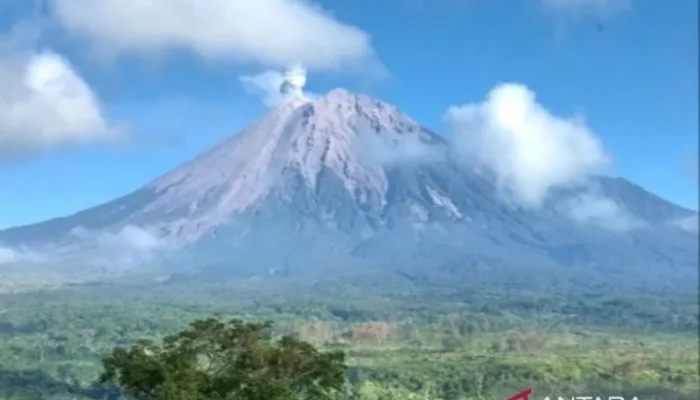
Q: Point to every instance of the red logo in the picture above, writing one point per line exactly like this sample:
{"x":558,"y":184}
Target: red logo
{"x":524,"y":395}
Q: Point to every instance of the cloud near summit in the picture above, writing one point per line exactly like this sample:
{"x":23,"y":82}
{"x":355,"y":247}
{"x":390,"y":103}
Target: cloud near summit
{"x":46,"y":103}
{"x":274,"y":33}
{"x":529,"y":150}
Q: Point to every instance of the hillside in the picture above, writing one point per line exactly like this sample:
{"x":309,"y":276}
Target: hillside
{"x":348,"y":188}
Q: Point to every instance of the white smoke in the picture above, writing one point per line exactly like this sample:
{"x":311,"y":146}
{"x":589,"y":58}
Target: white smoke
{"x":274,"y":87}
{"x":294,"y":81}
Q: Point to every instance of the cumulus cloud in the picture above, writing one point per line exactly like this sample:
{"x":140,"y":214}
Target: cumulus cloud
{"x":275,"y":33}
{"x":593,"y":7}
{"x":44,"y":104}
{"x":528,"y":149}
{"x":596,"y":210}
{"x":273,"y":86}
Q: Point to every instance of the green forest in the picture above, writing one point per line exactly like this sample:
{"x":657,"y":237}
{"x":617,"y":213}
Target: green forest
{"x":481,"y":343}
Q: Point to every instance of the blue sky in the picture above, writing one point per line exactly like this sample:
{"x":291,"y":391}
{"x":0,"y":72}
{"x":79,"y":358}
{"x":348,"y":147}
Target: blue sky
{"x":149,"y":98}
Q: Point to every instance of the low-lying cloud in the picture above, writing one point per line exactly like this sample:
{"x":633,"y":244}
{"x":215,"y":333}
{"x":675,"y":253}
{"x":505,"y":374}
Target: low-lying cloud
{"x":9,"y":255}
{"x":117,"y":250}
{"x":129,"y":244}
{"x":596,"y":210}
{"x":392,"y":149}
{"x":529,"y":150}
{"x":687,"y":224}
{"x":129,"y":238}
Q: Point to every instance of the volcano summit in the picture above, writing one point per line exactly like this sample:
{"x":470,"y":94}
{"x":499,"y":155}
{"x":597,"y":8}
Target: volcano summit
{"x":345,"y":185}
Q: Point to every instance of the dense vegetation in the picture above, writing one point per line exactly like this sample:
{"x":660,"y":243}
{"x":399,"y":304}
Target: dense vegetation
{"x":215,"y":360}
{"x":476,"y":344}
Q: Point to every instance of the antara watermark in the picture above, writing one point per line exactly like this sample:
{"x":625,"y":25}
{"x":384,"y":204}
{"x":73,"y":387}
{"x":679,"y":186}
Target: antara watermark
{"x":525,"y":395}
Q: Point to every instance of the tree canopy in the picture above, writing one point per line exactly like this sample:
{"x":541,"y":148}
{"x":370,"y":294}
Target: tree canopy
{"x":215,"y":360}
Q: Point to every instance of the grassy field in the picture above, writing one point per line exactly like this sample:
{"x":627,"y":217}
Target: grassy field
{"x":51,"y":343}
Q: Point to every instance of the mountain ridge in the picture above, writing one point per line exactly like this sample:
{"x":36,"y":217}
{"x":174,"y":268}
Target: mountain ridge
{"x":348,"y":180}
{"x":161,"y":180}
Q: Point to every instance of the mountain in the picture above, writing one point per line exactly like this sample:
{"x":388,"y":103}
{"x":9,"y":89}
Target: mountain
{"x":345,"y":186}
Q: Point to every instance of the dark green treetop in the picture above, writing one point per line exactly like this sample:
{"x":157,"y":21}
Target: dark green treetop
{"x":214,"y":360}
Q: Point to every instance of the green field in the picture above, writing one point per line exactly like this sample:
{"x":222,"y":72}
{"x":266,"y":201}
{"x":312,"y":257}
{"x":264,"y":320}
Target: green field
{"x":408,"y":345}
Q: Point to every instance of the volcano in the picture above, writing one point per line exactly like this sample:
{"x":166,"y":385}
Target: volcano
{"x":345,"y":185}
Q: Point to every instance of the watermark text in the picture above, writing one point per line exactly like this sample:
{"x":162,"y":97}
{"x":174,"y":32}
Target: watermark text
{"x":526,"y":394}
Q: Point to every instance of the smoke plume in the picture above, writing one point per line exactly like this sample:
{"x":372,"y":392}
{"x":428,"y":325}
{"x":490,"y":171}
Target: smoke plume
{"x":273,"y":87}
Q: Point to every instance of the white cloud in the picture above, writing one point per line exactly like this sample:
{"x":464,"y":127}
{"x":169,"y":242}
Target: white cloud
{"x":593,"y":209}
{"x":131,"y":237}
{"x":594,"y":7}
{"x":44,"y":104}
{"x":10,"y":255}
{"x":127,"y":246}
{"x":270,"y":32}
{"x":124,"y":248}
{"x":7,"y":256}
{"x":392,"y":149}
{"x":688,"y":224}
{"x":529,"y":150}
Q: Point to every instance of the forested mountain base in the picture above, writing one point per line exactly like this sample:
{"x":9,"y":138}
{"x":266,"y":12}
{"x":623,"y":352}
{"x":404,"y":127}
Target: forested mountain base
{"x":487,"y":345}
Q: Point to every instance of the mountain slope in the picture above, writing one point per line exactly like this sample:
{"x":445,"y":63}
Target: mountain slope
{"x":345,"y":185}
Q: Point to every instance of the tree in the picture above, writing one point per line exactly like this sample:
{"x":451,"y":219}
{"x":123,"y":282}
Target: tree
{"x":214,"y":360}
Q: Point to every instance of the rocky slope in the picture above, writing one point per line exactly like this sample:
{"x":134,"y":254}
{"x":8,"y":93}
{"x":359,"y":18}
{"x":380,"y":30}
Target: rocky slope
{"x":344,"y":184}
